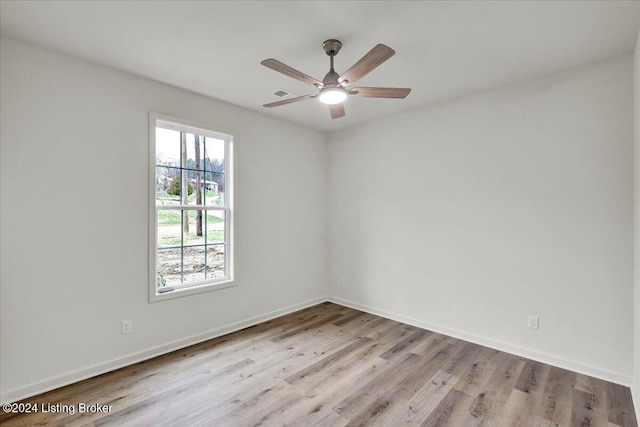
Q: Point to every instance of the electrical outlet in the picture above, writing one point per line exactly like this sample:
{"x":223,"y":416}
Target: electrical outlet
{"x":534,"y":322}
{"x":341,"y":282}
{"x":127,"y":327}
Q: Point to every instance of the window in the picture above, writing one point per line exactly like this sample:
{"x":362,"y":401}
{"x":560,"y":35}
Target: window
{"x":191,"y":224}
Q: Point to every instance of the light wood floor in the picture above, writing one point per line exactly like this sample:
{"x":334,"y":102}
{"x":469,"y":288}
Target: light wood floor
{"x":330,"y":365}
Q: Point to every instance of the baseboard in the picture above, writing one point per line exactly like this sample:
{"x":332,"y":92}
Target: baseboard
{"x":497,"y":345}
{"x":101,"y":368}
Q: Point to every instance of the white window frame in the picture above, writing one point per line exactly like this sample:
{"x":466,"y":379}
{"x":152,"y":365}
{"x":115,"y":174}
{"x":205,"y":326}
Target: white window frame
{"x":209,"y":284}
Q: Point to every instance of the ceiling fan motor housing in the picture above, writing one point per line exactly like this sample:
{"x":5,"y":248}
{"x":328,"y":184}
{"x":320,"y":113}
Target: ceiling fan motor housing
{"x":331,"y":79}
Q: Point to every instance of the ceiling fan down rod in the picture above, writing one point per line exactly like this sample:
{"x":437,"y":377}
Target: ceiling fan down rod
{"x":331,"y":47}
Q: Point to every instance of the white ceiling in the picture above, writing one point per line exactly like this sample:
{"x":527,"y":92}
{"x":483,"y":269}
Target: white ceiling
{"x":443,"y":49}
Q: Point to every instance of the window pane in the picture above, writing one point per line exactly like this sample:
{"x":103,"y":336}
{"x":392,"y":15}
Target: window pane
{"x":193,"y":264}
{"x":215,"y":226}
{"x":167,"y":186}
{"x":193,"y":232}
{"x":213,"y":155}
{"x":187,"y":193}
{"x":167,"y":147}
{"x":169,"y":267}
{"x":184,"y":265}
{"x":215,"y":261}
{"x":213,"y":189}
{"x":195,"y":152}
{"x":169,"y":228}
{"x":200,"y":189}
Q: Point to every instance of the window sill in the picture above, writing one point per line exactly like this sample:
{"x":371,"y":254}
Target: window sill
{"x":198,"y":289}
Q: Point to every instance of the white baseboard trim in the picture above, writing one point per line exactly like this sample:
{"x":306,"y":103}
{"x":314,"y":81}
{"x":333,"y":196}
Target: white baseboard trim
{"x":549,"y":359}
{"x":111,"y":365}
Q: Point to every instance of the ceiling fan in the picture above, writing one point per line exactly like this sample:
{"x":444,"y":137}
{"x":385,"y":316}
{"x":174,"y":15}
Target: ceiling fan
{"x":333,"y":88}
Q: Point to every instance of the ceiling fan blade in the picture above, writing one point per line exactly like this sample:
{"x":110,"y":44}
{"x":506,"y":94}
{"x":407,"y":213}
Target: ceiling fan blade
{"x":380,"y":92}
{"x":367,"y":63}
{"x":288,"y":101}
{"x":278,"y":66}
{"x":337,"y":110}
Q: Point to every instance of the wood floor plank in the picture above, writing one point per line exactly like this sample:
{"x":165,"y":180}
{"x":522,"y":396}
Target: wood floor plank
{"x":434,"y":340}
{"x":326,"y":362}
{"x":477,"y":373}
{"x":394,"y":373}
{"x":405,"y":345}
{"x":354,"y":317}
{"x":371,"y":414}
{"x":404,"y":376}
{"x":447,"y":411}
{"x":322,"y":321}
{"x":518,"y":411}
{"x":363,"y":324}
{"x":268,"y":414}
{"x":349,"y":377}
{"x":558,"y":393}
{"x":503,"y":379}
{"x":355,"y":367}
{"x":588,"y":410}
{"x":426,"y":368}
{"x":262,"y":373}
{"x":321,"y":418}
{"x":532,"y":376}
{"x":469,"y":352}
{"x":425,"y":400}
{"x":591,"y":385}
{"x":329,"y":365}
{"x":497,"y":389}
{"x":486,"y":407}
{"x":166,"y":397}
{"x":415,"y":411}
{"x":541,"y":422}
{"x":620,"y":406}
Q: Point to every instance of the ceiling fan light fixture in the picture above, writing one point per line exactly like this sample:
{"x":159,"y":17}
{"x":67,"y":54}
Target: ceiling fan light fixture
{"x":333,"y":95}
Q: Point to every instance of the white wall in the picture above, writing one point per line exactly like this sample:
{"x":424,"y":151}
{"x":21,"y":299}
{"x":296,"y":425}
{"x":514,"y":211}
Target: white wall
{"x":74,"y":149}
{"x":636,"y":223}
{"x":468,"y":216}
